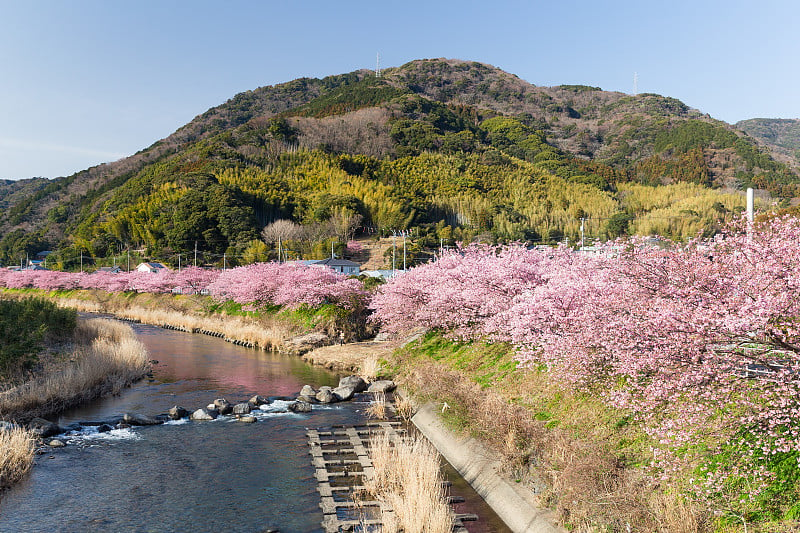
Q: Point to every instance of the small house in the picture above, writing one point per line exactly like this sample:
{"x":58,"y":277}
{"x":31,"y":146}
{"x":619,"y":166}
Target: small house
{"x":342,"y":266}
{"x":153,"y":268}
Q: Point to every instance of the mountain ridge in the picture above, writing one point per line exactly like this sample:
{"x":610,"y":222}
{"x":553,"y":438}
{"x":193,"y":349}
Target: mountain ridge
{"x":489,"y":122}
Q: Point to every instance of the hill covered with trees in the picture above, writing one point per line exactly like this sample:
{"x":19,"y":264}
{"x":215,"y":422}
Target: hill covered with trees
{"x":778,"y":133}
{"x":450,"y":149}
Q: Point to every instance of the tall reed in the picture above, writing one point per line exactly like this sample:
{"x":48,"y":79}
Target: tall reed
{"x":232,"y":327}
{"x":107,"y":358}
{"x":16,"y":455}
{"x":407,"y":477}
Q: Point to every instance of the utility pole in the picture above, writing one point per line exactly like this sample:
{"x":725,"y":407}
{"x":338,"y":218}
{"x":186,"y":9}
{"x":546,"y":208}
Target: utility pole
{"x":129,"y":259}
{"x":394,"y":249}
{"x":583,"y":219}
{"x":750,"y":202}
{"x":179,"y":262}
{"x":404,"y":251}
{"x":195,"y":253}
{"x":280,"y":249}
{"x":81,"y":260}
{"x":223,"y":260}
{"x":332,"y":254}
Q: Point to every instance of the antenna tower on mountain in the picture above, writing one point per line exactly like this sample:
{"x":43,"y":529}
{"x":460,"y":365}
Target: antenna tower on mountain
{"x":635,"y":83}
{"x":378,"y":65}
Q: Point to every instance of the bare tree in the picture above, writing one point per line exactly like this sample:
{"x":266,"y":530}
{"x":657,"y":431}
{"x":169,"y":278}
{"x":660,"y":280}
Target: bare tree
{"x":345,"y":223}
{"x":282,"y":229}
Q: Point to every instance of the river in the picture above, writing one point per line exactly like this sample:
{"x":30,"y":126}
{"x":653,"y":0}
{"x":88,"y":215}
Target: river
{"x":218,"y":476}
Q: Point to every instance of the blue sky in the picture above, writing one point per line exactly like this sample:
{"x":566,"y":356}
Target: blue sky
{"x":84,"y":82}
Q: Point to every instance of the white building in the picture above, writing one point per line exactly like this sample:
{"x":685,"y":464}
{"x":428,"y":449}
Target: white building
{"x":153,"y":268}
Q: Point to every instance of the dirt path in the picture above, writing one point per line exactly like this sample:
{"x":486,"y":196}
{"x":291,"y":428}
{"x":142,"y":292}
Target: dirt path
{"x":351,"y":357}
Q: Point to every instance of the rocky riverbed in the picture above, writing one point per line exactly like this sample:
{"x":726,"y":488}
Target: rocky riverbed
{"x":246,"y":411}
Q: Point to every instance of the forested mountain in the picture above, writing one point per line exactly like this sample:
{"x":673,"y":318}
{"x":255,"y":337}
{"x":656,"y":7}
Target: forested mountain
{"x":453,"y":149}
{"x":778,"y":133}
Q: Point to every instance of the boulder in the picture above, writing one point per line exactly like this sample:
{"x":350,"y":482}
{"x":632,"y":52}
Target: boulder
{"x":247,"y":419}
{"x":384,"y":385}
{"x":205,"y":414}
{"x":135,"y":419}
{"x":105,"y":428}
{"x":257,"y":400}
{"x":44,"y":428}
{"x":309,"y":399}
{"x":55,"y":443}
{"x":308,"y":390}
{"x":223,"y":406}
{"x":326,"y":396}
{"x":242,"y":409}
{"x":176,"y":413}
{"x":306,"y":343}
{"x":358,"y":384}
{"x":344,"y":393}
{"x":300,"y":407}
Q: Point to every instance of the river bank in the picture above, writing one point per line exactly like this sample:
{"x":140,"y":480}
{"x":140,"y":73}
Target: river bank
{"x":372,"y":359}
{"x":98,"y":357}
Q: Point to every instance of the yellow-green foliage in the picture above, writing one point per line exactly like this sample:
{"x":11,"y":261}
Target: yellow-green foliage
{"x":680,"y":210}
{"x":519,"y":191}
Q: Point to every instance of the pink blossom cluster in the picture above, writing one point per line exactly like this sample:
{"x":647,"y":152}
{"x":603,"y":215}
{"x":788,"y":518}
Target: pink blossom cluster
{"x":287,"y":284}
{"x":188,"y":280}
{"x":690,"y":338}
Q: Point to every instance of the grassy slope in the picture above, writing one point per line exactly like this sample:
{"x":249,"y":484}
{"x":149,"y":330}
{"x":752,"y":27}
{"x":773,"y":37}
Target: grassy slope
{"x":591,"y":461}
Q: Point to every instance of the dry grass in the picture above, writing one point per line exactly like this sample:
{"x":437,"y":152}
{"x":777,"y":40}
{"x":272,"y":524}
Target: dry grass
{"x":377,"y":407}
{"x":408,"y":478}
{"x":187,"y":313}
{"x":107,"y":359}
{"x":266,"y":336}
{"x":404,"y":406}
{"x":16,"y":455}
{"x":371,"y":368}
{"x":574,"y":450}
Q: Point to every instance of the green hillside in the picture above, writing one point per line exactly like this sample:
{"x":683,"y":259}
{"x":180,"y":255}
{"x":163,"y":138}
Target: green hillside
{"x":453,"y":150}
{"x":783,"y":134}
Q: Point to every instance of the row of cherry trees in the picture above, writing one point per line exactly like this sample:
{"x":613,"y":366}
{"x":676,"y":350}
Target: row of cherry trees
{"x":693,"y":340}
{"x":256,"y":285}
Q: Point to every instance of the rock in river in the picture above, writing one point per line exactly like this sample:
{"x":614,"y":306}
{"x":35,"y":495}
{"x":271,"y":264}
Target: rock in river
{"x":300,"y":407}
{"x":358,"y":384}
{"x":344,"y":393}
{"x":308,"y":390}
{"x":205,"y":414}
{"x":383,"y":385}
{"x":223,"y":406}
{"x":257,"y":400}
{"x":44,"y":428}
{"x":135,"y":419}
{"x":326,"y":396}
{"x":242,"y":409}
{"x":176,"y":413}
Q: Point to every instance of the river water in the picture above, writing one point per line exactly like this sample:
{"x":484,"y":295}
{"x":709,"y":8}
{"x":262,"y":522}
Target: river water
{"x":218,"y":476}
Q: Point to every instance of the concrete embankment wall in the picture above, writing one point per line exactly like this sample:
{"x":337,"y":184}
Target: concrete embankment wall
{"x":514,"y":504}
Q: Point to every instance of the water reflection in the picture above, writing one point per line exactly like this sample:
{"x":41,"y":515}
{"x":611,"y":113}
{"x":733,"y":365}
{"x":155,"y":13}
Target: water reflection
{"x":191,"y":476}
